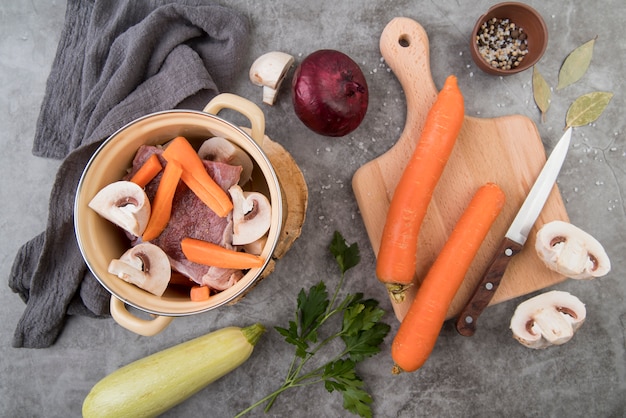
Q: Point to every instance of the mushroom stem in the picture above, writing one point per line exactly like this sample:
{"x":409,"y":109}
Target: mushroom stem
{"x":269,"y":71}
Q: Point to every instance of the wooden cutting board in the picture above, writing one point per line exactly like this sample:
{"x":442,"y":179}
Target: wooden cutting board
{"x":505,"y":150}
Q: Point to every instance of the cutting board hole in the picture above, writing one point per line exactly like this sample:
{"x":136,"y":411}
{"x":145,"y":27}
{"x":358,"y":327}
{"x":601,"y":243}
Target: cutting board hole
{"x":404,"y":41}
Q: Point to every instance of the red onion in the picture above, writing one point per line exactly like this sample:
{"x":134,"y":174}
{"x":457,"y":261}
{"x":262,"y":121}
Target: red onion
{"x":330,"y":94}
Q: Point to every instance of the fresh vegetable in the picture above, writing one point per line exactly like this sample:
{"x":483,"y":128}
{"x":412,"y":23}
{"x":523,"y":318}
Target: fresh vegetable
{"x":179,"y":279}
{"x":125,"y":204}
{"x":146,"y":266}
{"x":222,"y":150}
{"x":163,"y":199}
{"x":570,"y":251}
{"x":420,"y":327}
{"x":330,"y":93}
{"x":196,"y":177}
{"x":269,"y":71}
{"x":150,"y":168}
{"x":398,"y":248}
{"x":252,"y":215}
{"x":209,"y":254}
{"x":199,"y":293}
{"x":152,"y":385}
{"x":361,"y":332}
{"x":547,"y":319}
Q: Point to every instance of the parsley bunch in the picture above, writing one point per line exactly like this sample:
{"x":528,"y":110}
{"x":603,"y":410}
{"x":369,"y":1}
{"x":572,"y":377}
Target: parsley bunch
{"x":361,"y":333}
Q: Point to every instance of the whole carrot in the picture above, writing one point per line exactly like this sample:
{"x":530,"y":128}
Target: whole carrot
{"x":422,"y":324}
{"x":397,"y":257}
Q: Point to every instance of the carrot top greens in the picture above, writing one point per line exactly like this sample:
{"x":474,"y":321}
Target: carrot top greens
{"x":361,"y":332}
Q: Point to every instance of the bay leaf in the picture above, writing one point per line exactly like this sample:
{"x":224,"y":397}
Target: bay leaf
{"x":575,"y":64}
{"x":541,"y":93}
{"x":587,"y":108}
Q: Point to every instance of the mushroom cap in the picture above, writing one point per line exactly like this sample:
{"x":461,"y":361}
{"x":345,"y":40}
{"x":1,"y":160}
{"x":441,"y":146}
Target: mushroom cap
{"x":570,"y":251}
{"x":548,"y":319}
{"x":252,"y":215}
{"x":222,"y":150}
{"x":270,"y":68}
{"x":269,"y":71}
{"x":125,"y":204}
{"x":144,"y":265}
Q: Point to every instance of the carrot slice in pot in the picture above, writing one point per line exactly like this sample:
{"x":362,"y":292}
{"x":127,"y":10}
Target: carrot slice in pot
{"x":162,"y":202}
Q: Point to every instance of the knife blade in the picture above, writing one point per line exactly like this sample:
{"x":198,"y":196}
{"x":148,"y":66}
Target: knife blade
{"x":514,"y":238}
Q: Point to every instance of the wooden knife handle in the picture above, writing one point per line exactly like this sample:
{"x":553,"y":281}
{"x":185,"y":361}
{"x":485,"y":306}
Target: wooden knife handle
{"x":486,"y":288}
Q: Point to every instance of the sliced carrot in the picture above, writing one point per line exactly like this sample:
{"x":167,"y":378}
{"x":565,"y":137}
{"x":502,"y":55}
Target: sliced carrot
{"x":397,"y":257}
{"x":207,"y":253}
{"x":196,"y":177}
{"x":199,"y":293}
{"x":422,"y":324}
{"x":161,"y":208}
{"x":204,"y":194}
{"x":179,"y":279}
{"x":148,"y":170}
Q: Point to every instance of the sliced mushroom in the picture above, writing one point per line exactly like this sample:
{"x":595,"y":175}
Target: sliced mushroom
{"x":571,"y":251}
{"x":548,"y":319}
{"x":222,"y":150}
{"x":125,"y":204}
{"x":269,"y":71}
{"x":256,"y":247}
{"x":252,"y":215}
{"x":144,"y":265}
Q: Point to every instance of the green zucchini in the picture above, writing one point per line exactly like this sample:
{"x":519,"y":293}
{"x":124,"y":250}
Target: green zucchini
{"x":152,"y":385}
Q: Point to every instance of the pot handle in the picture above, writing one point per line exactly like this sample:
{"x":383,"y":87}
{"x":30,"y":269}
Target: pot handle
{"x":147,"y":328}
{"x":243,"y":106}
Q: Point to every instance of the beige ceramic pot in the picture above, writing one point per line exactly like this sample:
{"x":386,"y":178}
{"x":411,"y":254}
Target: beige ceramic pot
{"x":100,"y":241}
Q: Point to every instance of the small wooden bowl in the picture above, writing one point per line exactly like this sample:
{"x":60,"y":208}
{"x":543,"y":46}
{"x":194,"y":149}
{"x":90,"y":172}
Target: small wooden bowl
{"x":524,"y":17}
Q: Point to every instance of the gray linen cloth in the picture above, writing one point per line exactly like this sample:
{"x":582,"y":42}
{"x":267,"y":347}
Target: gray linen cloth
{"x":117,"y":60}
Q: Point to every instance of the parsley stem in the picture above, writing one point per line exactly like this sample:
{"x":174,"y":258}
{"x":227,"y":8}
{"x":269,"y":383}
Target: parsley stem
{"x":337,"y":288}
{"x":271,"y":396}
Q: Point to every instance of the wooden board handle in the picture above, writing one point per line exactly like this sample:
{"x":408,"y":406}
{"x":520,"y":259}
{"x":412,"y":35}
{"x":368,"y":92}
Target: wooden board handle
{"x":404,"y":46}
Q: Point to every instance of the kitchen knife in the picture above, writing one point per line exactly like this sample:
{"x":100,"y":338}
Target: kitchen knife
{"x":514,"y":238}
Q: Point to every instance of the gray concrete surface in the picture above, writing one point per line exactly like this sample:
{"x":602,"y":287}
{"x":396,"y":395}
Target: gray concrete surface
{"x":488,"y":375}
